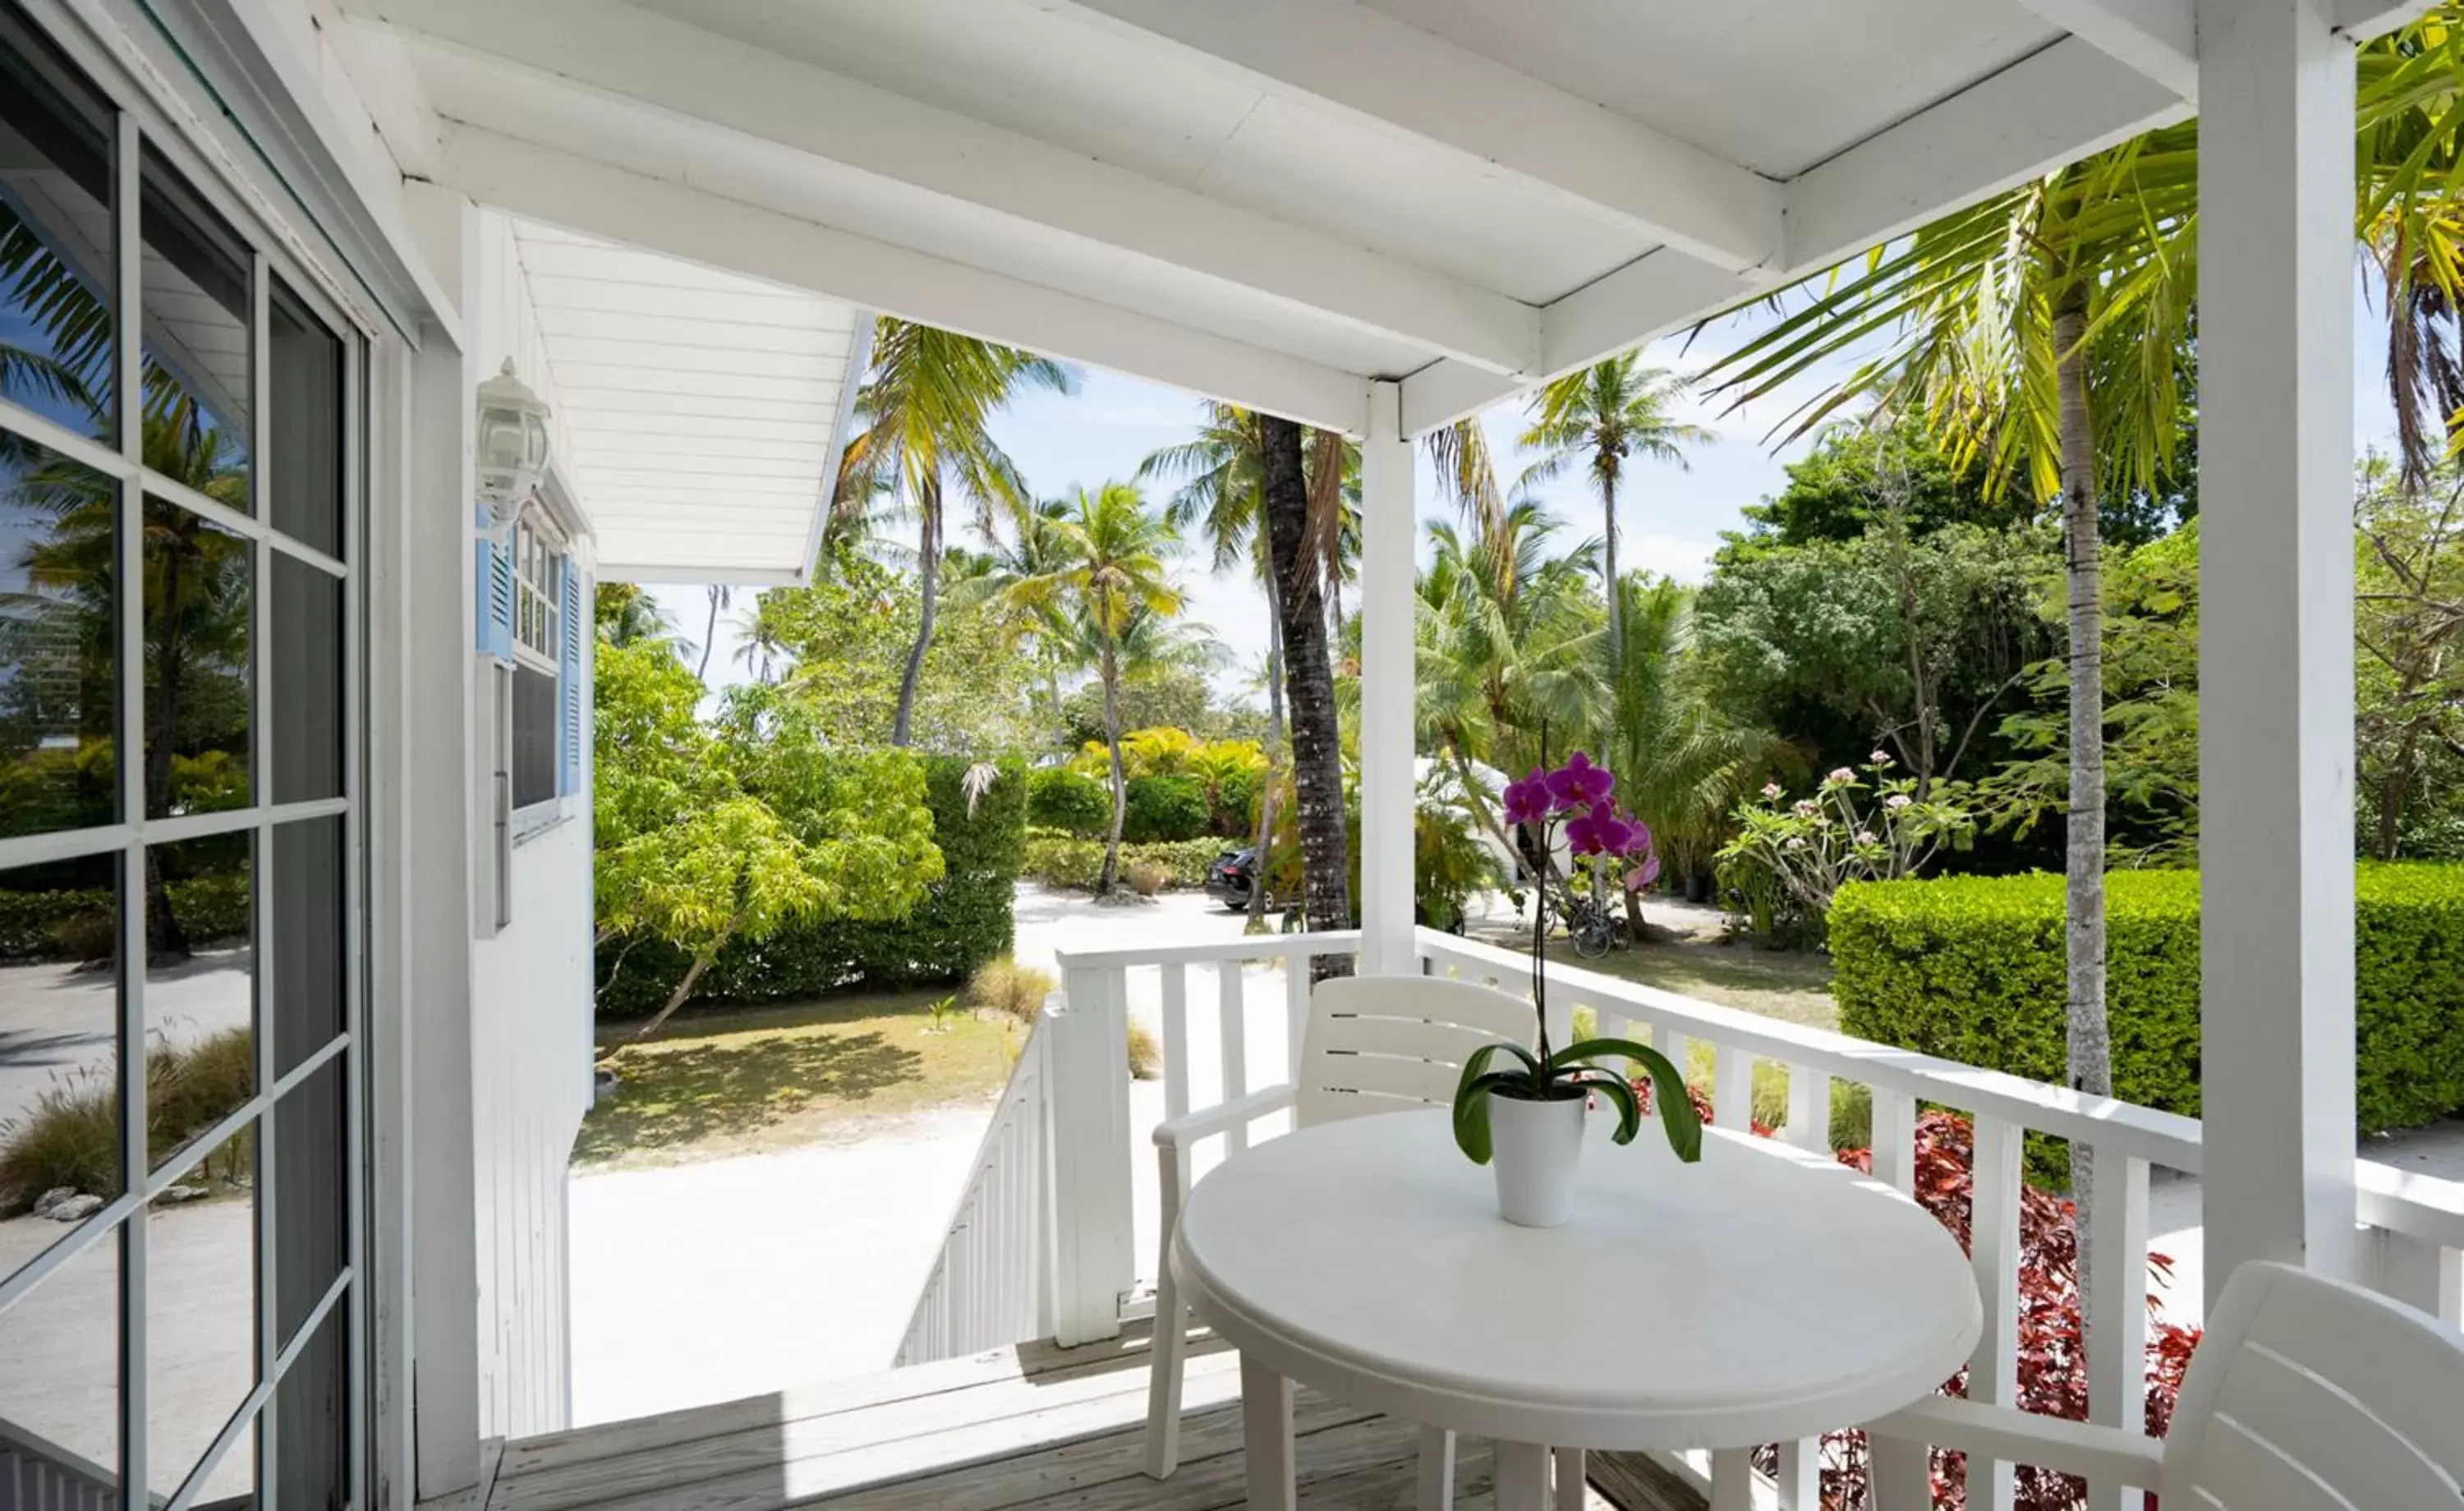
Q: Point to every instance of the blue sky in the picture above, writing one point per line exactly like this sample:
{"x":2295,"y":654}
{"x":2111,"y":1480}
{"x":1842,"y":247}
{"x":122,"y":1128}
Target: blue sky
{"x":1670,"y":520}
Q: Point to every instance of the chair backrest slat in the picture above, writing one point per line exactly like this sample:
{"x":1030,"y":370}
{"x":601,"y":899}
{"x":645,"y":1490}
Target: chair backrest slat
{"x":1391,"y":1043}
{"x":2310,"y":1392}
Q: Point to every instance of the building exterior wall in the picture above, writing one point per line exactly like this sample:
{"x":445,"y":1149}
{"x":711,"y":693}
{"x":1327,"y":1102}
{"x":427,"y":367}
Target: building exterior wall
{"x":530,"y":998}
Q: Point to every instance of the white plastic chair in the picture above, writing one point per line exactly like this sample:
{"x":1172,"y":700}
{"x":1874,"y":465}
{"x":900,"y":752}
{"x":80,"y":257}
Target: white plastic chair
{"x":1374,"y":1043}
{"x":2307,"y":1394}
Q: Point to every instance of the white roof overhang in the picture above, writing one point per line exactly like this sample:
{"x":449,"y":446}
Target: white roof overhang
{"x":1275,"y":202}
{"x":699,"y":413}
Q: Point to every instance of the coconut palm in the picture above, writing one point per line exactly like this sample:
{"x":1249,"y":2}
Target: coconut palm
{"x":1110,"y":582}
{"x":925,"y":415}
{"x":1599,"y":419}
{"x":1032,"y":549}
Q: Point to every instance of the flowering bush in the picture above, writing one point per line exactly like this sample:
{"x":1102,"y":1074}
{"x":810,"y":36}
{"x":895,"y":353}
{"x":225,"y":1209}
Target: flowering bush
{"x":2052,"y":1366}
{"x":1872,"y":826}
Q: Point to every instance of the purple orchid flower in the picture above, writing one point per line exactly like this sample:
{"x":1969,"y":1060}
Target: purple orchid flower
{"x":1640,"y":878}
{"x":1527,"y":801}
{"x":1579,"y":784}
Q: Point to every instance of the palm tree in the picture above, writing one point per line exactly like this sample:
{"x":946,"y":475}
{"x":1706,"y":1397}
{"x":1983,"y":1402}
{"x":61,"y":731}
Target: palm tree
{"x":1599,"y":419}
{"x":926,"y":411}
{"x":1033,"y":550}
{"x":721,"y":597}
{"x":759,"y":647}
{"x":2045,"y":332}
{"x":1110,"y":582}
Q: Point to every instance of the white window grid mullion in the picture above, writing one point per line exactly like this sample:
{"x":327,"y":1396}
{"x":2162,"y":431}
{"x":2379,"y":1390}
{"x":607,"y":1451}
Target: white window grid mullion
{"x":261,"y":745}
{"x":252,"y":1408}
{"x":305,"y":553}
{"x":172,"y":491}
{"x":129,"y":597}
{"x":354,"y":951}
{"x":57,"y":437}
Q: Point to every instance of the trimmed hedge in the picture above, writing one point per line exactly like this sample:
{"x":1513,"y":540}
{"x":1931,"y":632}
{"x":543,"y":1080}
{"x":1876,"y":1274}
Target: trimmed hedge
{"x":1060,"y":860}
{"x":963,"y":920}
{"x":1061,"y":798}
{"x":51,"y":926}
{"x":1970,"y":967}
{"x":1163,"y":810}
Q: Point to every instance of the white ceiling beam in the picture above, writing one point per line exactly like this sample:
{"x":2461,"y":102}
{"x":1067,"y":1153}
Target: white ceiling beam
{"x":619,"y":50}
{"x":2364,"y":19}
{"x":2052,"y":107}
{"x":1341,"y":55}
{"x":1646,"y":298}
{"x":601,"y":199}
{"x":2160,"y":39}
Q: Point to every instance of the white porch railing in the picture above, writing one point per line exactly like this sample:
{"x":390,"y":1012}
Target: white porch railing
{"x":989,"y":1285}
{"x":2414,"y":1237}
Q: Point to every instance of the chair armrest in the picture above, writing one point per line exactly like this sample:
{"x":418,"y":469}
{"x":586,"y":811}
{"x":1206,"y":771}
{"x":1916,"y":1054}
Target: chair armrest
{"x":1190,"y":1126}
{"x":2101,"y":1454}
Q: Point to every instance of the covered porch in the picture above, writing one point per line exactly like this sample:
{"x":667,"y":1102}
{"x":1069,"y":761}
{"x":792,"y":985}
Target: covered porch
{"x":1378,"y":219}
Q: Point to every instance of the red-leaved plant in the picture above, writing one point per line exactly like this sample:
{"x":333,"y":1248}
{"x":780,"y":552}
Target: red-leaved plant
{"x":2052,"y":1366}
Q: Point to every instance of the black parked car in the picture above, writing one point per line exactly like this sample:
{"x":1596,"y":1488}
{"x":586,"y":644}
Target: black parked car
{"x":1230,"y":876}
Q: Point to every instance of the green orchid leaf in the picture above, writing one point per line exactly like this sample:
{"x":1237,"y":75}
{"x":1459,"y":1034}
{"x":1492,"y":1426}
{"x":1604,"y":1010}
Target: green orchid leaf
{"x":1471,"y":1111}
{"x":1613,"y":1086}
{"x":1677,"y":1118}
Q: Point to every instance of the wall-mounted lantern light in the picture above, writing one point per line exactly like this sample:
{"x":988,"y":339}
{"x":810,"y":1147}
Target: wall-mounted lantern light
{"x":512,"y":445}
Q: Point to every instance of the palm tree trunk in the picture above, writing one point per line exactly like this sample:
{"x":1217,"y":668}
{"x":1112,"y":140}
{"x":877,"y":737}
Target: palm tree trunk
{"x":1609,"y":569}
{"x":1112,"y":673}
{"x":1309,"y":681}
{"x":708,"y":634}
{"x":1274,"y":760}
{"x":928,"y":580}
{"x":2090,"y":1047}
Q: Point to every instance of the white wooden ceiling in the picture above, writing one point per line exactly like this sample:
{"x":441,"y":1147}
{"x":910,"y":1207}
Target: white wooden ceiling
{"x":1270,"y":201}
{"x":695,"y":409}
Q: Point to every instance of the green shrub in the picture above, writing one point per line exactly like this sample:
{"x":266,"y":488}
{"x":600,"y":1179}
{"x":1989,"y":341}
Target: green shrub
{"x":70,"y":1136}
{"x":1060,"y":861}
{"x":963,"y":920}
{"x":1970,"y":969}
{"x":1069,"y":802}
{"x":79,"y":924}
{"x":1164,"y":810}
{"x":1233,"y":804}
{"x":1006,"y":989}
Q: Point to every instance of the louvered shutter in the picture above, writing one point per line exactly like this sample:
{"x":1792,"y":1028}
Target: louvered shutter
{"x":569,"y":680}
{"x":494,"y":564}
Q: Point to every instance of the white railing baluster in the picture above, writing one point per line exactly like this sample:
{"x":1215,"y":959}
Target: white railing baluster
{"x":1809,"y":1110}
{"x":1296,"y":1005}
{"x":1902,"y":1477}
{"x":1732,"y":1480}
{"x":1232,"y":998}
{"x":1994,"y":1248}
{"x":1176,"y":1039}
{"x":2115,"y":1310}
{"x":1732,"y":1088}
{"x":2419,"y":1272}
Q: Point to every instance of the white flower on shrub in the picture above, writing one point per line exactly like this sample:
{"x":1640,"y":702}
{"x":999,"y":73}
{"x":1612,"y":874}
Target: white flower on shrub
{"x":1897,"y":799}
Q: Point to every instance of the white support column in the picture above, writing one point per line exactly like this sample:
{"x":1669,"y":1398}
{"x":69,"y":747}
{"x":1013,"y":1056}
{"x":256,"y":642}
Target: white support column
{"x":1387,"y":519}
{"x":2275,"y":642}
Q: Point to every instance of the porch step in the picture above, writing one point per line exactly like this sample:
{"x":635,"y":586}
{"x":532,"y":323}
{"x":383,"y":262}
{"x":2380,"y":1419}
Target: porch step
{"x":1031,"y":1426}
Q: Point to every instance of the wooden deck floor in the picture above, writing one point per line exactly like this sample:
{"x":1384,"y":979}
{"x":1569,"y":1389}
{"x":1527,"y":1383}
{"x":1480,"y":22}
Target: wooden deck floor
{"x":1031,"y":1427}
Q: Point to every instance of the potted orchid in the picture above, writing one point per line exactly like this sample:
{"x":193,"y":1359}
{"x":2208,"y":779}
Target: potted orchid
{"x":1527,"y":1119}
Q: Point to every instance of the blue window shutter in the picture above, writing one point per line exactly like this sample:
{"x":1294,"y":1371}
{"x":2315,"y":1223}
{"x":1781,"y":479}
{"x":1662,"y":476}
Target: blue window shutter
{"x":569,"y":679}
{"x":494,"y":566}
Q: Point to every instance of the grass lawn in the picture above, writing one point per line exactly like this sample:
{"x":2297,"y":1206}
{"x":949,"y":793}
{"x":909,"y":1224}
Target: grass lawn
{"x":738,"y":1080}
{"x":1775,"y":983}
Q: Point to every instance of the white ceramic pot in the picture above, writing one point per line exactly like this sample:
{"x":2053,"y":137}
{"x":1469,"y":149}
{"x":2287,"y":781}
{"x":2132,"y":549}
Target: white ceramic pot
{"x":1534,"y":1147}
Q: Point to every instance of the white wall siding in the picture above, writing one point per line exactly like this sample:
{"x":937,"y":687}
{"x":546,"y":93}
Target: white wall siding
{"x":529,"y":1029}
{"x":530,"y":1009}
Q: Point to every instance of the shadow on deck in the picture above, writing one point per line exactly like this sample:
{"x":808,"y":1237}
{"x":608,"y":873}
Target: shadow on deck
{"x":1035,"y":1426}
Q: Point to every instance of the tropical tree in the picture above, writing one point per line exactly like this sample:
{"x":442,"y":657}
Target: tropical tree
{"x":925,"y":415}
{"x":1109,"y":582}
{"x":628,"y":616}
{"x":1599,"y":419}
{"x":721,"y":597}
{"x":2047,"y":329}
{"x":1301,"y":507}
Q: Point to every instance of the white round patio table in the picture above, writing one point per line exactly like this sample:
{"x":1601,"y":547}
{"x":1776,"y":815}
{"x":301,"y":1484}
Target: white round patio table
{"x":1761,"y":1295}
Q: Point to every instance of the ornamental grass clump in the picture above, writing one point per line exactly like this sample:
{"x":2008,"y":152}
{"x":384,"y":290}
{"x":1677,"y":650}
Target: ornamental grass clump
{"x":1578,"y":796}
